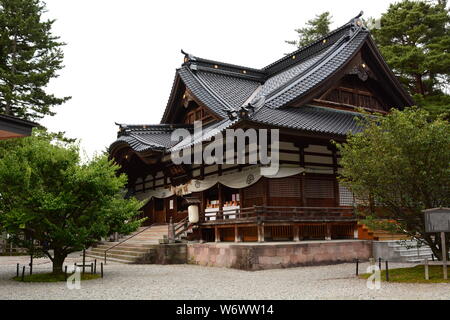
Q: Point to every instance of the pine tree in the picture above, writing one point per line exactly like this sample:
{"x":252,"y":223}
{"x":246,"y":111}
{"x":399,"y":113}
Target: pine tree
{"x":30,"y":56}
{"x":414,"y":39}
{"x":314,"y":29}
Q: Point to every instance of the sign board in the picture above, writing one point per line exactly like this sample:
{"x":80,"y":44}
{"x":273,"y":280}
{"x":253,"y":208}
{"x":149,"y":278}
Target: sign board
{"x":437,"y":220}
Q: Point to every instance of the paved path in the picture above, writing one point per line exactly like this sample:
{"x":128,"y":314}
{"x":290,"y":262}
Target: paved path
{"x":195,"y":282}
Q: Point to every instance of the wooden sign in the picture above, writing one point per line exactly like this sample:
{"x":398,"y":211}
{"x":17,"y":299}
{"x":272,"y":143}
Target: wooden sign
{"x":437,"y":220}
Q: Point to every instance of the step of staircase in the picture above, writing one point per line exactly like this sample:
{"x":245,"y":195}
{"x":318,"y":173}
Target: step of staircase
{"x":134,"y":247}
{"x":402,"y":251}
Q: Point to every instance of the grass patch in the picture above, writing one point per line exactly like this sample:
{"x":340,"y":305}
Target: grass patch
{"x":13,"y":254}
{"x":51,"y":277}
{"x":413,"y":275}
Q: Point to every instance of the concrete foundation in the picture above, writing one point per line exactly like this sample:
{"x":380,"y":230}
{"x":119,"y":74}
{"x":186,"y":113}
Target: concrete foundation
{"x":260,"y":256}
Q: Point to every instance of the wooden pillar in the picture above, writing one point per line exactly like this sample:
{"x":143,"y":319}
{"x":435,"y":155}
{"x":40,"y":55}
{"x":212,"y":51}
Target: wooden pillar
{"x":202,"y":171}
{"x":266,"y":191}
{"x":328,"y":235}
{"x":296,"y":230}
{"x":355,"y":230}
{"x":200,"y":235}
{"x":219,"y":190}
{"x":332,"y":148}
{"x":301,"y":147}
{"x":217,"y":234}
{"x":260,"y":233}
{"x":237,"y":238}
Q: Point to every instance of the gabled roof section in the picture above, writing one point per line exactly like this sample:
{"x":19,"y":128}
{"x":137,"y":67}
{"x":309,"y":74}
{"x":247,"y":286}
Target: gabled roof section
{"x":142,"y":138}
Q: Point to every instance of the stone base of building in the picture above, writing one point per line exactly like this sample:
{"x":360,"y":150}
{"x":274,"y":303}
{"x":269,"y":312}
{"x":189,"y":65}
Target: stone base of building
{"x":261,"y":256}
{"x":175,"y":253}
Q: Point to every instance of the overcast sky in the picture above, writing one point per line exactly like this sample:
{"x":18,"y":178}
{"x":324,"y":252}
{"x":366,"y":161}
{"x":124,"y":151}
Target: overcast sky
{"x":121,"y":56}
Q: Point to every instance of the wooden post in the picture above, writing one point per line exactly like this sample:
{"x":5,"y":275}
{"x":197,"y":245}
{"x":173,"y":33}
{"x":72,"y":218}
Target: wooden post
{"x":427,"y":275}
{"x":444,"y":255}
{"x":260,"y":233}
{"x":84,"y":259}
{"x":217,"y":233}
{"x":328,"y":236}
{"x":296,"y":233}
{"x":236,"y":234}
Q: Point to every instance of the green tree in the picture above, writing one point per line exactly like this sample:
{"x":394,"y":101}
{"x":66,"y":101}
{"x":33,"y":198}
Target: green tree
{"x":30,"y":56}
{"x":314,"y":29}
{"x":414,"y":38}
{"x":48,"y":195}
{"x":400,"y":163}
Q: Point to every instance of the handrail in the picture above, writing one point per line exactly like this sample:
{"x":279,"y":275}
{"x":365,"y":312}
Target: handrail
{"x":279,"y":211}
{"x":146,"y":228}
{"x":180,"y":225}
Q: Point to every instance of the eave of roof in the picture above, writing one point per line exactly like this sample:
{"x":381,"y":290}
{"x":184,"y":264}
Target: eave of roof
{"x":15,"y":127}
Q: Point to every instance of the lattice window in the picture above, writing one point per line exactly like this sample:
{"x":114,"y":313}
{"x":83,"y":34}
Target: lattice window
{"x":319,"y":188}
{"x":346,"y":197}
{"x":285,"y":187}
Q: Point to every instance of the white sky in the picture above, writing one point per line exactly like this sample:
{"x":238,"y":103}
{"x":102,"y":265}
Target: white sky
{"x":121,"y":56}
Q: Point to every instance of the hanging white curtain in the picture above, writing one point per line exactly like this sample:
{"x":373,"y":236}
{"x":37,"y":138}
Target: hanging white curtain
{"x":237,"y":180}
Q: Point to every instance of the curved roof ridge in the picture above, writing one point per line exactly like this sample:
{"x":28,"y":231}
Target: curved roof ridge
{"x":351,"y":23}
{"x":330,"y":53}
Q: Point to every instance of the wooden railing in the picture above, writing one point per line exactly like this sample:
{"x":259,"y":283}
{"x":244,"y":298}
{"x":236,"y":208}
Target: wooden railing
{"x":281,"y":213}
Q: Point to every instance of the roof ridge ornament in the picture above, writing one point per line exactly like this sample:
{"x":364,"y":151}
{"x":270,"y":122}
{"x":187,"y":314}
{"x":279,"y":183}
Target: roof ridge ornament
{"x":188,"y":57}
{"x":356,"y":24}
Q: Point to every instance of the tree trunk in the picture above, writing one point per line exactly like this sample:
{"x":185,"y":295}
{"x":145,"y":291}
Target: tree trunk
{"x":419,"y":84}
{"x":58,"y":261}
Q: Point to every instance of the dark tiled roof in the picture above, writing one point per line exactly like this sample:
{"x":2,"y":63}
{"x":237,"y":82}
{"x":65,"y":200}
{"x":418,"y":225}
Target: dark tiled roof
{"x":305,"y":80}
{"x":225,"y":87}
{"x":147,"y":137}
{"x":235,"y":91}
{"x":310,"y":118}
{"x":209,"y":131}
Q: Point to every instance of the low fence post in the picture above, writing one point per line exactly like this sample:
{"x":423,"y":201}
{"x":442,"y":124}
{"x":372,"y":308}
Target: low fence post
{"x":379,"y":263}
{"x":23,"y":273}
{"x":65,"y":273}
{"x":387,"y":271}
{"x":17,"y":270}
{"x":95,"y":266}
{"x":101,"y":269}
{"x":357,"y":267}
{"x":427,"y":275}
{"x":84,"y":260}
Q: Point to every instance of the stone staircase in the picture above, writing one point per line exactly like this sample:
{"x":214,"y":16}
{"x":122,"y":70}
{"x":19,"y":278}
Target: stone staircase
{"x":140,"y":243}
{"x":401,"y":251}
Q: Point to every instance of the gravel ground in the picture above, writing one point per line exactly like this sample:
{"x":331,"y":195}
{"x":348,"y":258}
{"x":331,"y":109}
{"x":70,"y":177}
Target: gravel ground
{"x":196,"y":282}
